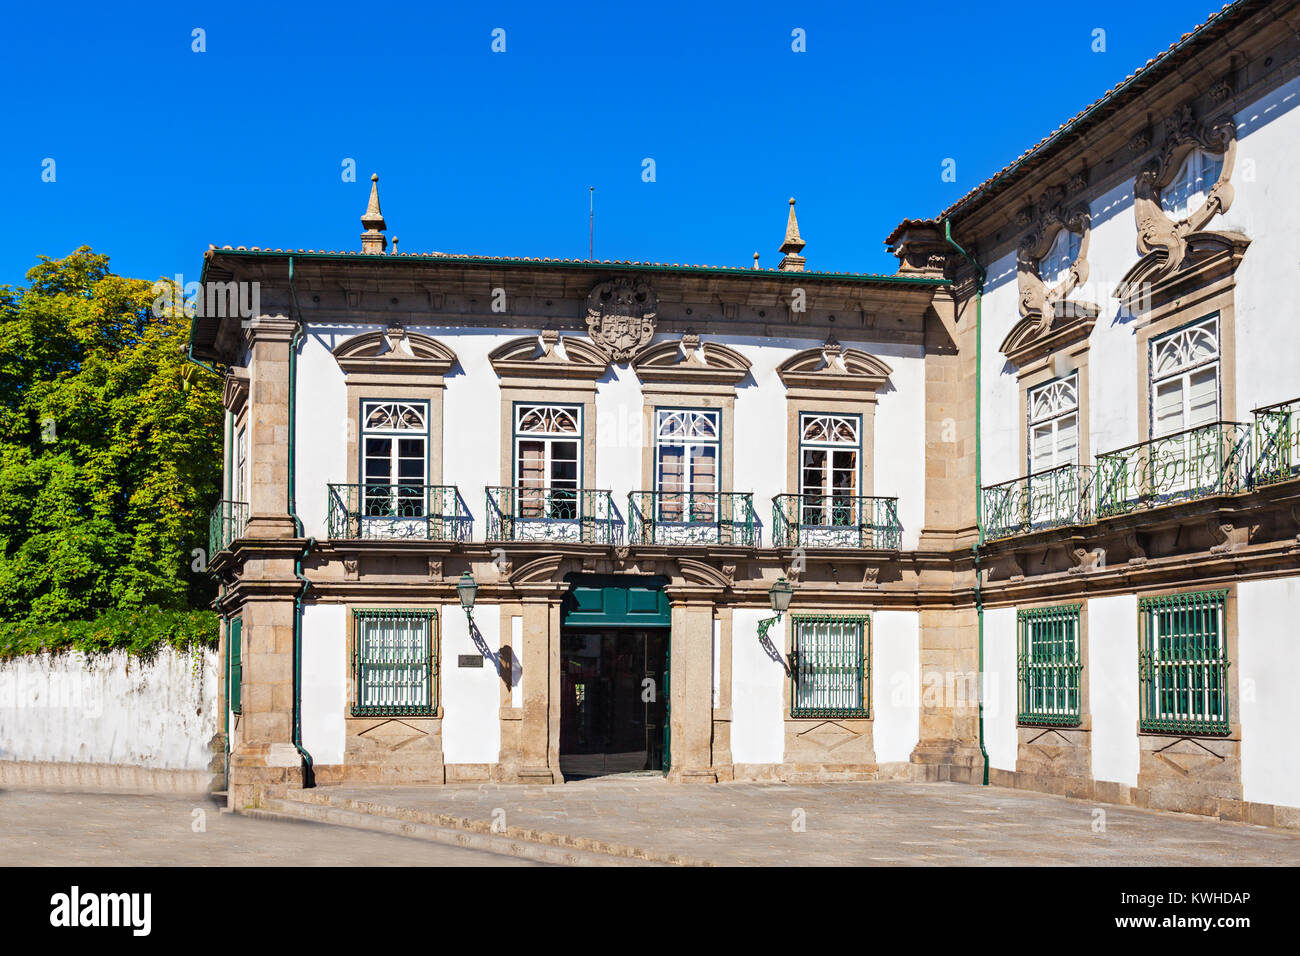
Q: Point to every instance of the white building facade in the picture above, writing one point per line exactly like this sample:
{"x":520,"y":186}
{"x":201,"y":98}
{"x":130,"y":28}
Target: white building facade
{"x":1022,"y":513}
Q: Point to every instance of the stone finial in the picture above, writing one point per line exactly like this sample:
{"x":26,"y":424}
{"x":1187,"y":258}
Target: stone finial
{"x":793,"y":245}
{"x":373,"y":239}
{"x":756,"y":260}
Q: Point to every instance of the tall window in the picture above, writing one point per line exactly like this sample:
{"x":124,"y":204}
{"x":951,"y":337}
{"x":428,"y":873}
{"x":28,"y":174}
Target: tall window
{"x":830,"y":669}
{"x":687,"y":445}
{"x":1183,"y":663}
{"x":1056,"y":262}
{"x":1049,"y":668}
{"x":394,"y":662}
{"x":830,"y":449}
{"x":239,"y":482}
{"x":548,"y":463}
{"x":1054,"y":424}
{"x":394,"y":458}
{"x":1185,"y":378}
{"x":235,"y":661}
{"x":1196,"y":177}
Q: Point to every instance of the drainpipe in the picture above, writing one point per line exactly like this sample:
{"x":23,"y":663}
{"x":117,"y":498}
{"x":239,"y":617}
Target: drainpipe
{"x":980,"y":275}
{"x":308,"y":775}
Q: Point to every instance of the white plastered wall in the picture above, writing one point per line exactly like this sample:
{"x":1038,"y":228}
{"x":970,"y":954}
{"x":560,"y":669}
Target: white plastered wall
{"x":1269,"y":672}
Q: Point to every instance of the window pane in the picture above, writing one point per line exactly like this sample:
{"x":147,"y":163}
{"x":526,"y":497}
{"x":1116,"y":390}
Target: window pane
{"x":1169,"y":407}
{"x":1204,"y":397}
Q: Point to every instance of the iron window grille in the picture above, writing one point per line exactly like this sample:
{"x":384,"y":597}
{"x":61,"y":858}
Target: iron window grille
{"x":394,"y":662}
{"x":830,"y":665}
{"x":1183,"y":663}
{"x":1048,"y":667}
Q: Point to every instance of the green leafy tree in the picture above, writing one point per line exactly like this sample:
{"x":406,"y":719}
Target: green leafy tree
{"x":110,"y":447}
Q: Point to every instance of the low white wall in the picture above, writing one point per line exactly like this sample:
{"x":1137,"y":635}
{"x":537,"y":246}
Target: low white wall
{"x":471,"y":696}
{"x":110,"y":709}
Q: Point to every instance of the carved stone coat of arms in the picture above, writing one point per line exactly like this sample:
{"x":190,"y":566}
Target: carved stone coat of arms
{"x":621,"y":317}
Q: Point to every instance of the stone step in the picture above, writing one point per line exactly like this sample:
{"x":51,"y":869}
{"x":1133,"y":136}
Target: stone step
{"x":303,"y":812}
{"x":322,"y":797}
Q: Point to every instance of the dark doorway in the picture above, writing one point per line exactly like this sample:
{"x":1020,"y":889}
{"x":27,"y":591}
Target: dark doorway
{"x":613,"y":700}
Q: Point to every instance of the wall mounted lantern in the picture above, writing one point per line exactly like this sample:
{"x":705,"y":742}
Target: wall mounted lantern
{"x":467,"y":587}
{"x":779,"y":594}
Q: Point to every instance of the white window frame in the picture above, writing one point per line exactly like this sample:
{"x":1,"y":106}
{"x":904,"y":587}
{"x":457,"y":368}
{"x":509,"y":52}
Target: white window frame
{"x":239,"y":490}
{"x":549,"y":437}
{"x":1057,"y":412}
{"x":1184,"y":370}
{"x":825,"y":511}
{"x":691,"y":500}
{"x":402,"y":496}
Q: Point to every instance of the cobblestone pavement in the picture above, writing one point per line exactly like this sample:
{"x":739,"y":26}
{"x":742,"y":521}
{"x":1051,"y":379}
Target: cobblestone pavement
{"x":74,"y":829}
{"x":854,"y":824}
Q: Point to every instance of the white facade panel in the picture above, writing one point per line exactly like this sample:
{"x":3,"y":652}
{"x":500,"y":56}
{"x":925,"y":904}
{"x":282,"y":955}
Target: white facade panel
{"x":1269,"y":656}
{"x":1000,"y":735}
{"x":1113,"y":687}
{"x":895,"y":677}
{"x":757,"y":724}
{"x":471,"y":696}
{"x":324,"y":682}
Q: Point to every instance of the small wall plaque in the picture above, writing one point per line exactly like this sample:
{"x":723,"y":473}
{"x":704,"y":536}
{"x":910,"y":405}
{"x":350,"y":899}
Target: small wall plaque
{"x":469,"y":660}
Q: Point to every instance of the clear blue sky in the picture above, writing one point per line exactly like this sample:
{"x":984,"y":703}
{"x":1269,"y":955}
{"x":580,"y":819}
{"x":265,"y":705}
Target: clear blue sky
{"x":160,"y":150}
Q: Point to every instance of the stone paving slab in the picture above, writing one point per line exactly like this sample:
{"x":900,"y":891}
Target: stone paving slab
{"x":81,"y":829}
{"x":849,"y":824}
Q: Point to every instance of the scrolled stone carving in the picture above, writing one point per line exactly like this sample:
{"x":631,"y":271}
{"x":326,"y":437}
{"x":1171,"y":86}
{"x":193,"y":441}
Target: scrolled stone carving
{"x":1157,"y":232}
{"x":1051,"y":215}
{"x":621,"y":316}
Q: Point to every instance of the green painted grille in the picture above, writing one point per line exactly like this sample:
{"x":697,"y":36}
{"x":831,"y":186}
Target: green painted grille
{"x":394,"y":662}
{"x":830,"y":668}
{"x":1183,"y":663}
{"x":1048,"y":668}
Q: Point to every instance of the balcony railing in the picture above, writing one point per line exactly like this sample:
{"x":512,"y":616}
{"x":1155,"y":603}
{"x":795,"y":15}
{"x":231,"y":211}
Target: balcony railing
{"x":1277,"y":443}
{"x":835,"y":521}
{"x":1054,"y":498}
{"x":693,"y":517}
{"x":581,"y":515}
{"x":1207,"y":460}
{"x":227,"y":522}
{"x":385,"y":512}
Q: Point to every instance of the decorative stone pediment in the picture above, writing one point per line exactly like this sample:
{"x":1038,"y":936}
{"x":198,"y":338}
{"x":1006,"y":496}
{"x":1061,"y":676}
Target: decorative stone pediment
{"x":543,"y":570}
{"x":690,"y":360}
{"x":694,"y":571}
{"x":549,"y":355}
{"x":1158,"y":233}
{"x":621,"y":317}
{"x":1040,"y":334}
{"x":235,"y":392}
{"x":395,"y":351}
{"x":1206,"y":257}
{"x":834,"y":367}
{"x":1049,"y":217}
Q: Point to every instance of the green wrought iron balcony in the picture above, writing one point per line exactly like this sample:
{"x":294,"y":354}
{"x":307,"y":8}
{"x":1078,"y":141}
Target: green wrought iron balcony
{"x":226,"y":524}
{"x":1199,"y":462}
{"x":693,"y":517}
{"x":1055,"y":498}
{"x":835,"y":521}
{"x":581,"y":515}
{"x":1277,"y":443}
{"x":381,"y":511}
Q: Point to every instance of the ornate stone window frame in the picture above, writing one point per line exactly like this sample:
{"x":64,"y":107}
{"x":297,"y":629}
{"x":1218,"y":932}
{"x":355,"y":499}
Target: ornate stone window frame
{"x":833,"y":380}
{"x":1049,"y":216}
{"x":1159,"y":236}
{"x":551,"y":368}
{"x":1171,"y":319}
{"x":690,"y":373}
{"x":395,"y":364}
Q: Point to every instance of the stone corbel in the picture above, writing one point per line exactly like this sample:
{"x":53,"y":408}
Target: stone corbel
{"x":1227,"y":537}
{"x":1137,"y":554}
{"x":870,"y":577}
{"x":435,"y":569}
{"x":1085,"y":560}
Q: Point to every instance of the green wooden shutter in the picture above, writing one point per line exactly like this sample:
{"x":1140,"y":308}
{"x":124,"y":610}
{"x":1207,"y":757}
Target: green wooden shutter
{"x":235,"y":638}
